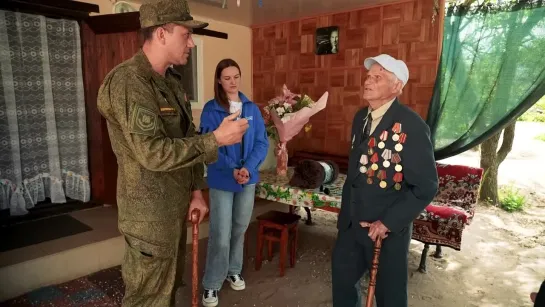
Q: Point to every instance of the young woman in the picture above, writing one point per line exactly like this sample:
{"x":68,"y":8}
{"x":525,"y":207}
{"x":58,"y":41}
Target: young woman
{"x":231,"y":181}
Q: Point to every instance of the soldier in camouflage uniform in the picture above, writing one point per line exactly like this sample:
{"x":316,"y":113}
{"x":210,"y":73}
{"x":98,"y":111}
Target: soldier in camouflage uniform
{"x":159,"y":155}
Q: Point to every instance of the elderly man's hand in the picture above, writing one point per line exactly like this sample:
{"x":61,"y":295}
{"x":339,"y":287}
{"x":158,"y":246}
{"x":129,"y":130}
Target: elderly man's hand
{"x":533,"y":296}
{"x":376,"y":230}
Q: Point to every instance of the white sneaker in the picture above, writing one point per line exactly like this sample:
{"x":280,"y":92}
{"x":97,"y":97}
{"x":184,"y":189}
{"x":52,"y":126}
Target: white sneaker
{"x":237,"y":282}
{"x":210,"y":298}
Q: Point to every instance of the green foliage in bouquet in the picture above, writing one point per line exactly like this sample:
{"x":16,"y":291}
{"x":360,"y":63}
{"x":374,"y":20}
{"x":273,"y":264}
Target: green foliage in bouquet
{"x":285,"y":107}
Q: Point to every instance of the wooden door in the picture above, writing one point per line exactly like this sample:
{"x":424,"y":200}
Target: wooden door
{"x":105,"y":44}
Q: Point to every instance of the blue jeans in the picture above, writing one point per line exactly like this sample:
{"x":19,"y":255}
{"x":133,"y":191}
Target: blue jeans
{"x":230,"y":214}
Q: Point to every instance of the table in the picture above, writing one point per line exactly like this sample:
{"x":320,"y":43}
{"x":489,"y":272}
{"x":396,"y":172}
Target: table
{"x":277,"y":188}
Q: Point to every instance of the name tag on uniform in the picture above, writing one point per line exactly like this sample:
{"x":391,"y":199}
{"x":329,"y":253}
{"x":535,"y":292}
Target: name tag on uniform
{"x":168,"y":111}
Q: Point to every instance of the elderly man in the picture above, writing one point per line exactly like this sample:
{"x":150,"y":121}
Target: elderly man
{"x":391,"y":179}
{"x":159,"y":155}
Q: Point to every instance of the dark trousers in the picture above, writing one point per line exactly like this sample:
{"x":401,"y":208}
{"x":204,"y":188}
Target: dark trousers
{"x":540,"y":299}
{"x":352,"y":256}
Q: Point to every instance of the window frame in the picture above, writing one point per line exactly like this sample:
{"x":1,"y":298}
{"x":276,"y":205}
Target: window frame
{"x":199,"y":76}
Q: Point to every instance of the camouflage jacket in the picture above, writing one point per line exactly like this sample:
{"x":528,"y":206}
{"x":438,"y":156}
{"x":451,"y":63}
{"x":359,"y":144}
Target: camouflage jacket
{"x":159,"y":155}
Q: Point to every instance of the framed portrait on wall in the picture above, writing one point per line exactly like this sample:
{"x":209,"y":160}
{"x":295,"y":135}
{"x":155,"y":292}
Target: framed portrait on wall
{"x":327,"y":40}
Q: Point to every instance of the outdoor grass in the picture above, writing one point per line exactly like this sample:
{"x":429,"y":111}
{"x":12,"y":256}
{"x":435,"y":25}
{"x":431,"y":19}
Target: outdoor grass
{"x":536,"y":113}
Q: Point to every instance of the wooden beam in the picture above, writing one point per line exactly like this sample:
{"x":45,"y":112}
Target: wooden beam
{"x":128,"y":22}
{"x":51,"y":8}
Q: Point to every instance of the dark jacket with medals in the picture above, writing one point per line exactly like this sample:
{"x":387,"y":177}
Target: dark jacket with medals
{"x":396,"y":191}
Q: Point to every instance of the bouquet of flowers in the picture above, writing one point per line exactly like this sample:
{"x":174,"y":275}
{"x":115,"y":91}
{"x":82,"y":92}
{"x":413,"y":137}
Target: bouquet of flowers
{"x":285,"y":116}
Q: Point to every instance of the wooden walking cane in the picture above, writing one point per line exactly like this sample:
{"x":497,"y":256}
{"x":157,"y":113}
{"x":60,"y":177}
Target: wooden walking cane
{"x":195,"y":214}
{"x":373,"y":273}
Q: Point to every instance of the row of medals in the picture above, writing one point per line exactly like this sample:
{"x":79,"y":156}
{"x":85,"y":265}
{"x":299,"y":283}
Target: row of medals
{"x":396,"y":137}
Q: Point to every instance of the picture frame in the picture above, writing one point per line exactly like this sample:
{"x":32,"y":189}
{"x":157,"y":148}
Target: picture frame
{"x":327,"y":40}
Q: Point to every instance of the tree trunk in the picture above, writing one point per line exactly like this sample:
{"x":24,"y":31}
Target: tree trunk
{"x":491,"y":158}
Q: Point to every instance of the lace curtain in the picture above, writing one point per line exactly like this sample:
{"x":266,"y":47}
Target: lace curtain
{"x":43,"y":138}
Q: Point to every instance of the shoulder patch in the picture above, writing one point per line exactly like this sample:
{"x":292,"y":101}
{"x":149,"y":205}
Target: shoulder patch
{"x":143,"y":121}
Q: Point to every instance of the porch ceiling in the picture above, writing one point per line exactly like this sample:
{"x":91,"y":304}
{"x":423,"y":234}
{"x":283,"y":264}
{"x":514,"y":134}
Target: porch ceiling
{"x":249,"y":13}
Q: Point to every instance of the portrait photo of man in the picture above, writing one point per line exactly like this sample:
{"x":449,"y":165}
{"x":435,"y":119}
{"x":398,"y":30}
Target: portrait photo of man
{"x":327,"y":40}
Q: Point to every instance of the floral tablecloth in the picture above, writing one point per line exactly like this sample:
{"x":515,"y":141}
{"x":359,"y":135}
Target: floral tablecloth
{"x":277,"y":188}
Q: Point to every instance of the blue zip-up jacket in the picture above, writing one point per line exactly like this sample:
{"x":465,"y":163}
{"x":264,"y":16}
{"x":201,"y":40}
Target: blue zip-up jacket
{"x":248,"y":154}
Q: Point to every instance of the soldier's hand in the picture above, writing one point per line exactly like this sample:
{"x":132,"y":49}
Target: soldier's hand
{"x":197,"y":202}
{"x":533,"y":296}
{"x":230,"y":130}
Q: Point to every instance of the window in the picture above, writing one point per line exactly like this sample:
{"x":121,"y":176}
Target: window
{"x":192,"y":73}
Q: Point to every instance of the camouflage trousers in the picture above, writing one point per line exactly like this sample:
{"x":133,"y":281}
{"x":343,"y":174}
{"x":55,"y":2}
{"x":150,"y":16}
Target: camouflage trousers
{"x":153,"y":264}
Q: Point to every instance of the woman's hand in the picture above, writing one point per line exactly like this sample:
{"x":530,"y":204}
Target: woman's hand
{"x":242,"y":176}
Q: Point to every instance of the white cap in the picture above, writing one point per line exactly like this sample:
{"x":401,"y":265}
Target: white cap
{"x":397,"y":67}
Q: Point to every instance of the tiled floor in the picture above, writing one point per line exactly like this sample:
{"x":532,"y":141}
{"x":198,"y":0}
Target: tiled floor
{"x":101,"y":289}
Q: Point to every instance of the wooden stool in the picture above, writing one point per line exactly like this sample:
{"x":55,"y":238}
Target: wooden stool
{"x":276,"y":226}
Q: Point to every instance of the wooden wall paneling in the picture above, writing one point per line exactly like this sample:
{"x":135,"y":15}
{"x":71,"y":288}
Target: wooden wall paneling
{"x":284,"y":52}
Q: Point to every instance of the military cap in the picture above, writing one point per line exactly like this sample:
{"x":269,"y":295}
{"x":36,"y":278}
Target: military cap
{"x":160,"y":12}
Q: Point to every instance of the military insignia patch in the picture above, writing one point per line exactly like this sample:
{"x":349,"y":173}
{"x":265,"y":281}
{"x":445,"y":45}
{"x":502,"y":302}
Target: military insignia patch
{"x":143,"y":121}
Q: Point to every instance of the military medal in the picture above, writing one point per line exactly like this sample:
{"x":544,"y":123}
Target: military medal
{"x":396,"y":129}
{"x":402,"y":138}
{"x":383,"y":138}
{"x":370,"y":174}
{"x":363,"y":161}
{"x":374,"y":159}
{"x":382,"y":175}
{"x":371,"y":144}
{"x":398,"y":177}
{"x":396,"y":159}
{"x":386,"y":155}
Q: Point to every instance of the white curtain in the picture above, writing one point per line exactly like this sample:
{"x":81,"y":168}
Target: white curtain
{"x":43,"y":137}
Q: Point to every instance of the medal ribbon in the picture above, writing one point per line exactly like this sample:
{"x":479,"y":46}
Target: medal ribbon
{"x":396,"y":158}
{"x":363,"y":159}
{"x":398,"y":177}
{"x":384,"y":135}
{"x":374,"y":158}
{"x":371,"y":143}
{"x":387,"y":154}
{"x":402,"y":138}
{"x":396,"y":128}
{"x":381,"y":175}
{"x":370,"y":172}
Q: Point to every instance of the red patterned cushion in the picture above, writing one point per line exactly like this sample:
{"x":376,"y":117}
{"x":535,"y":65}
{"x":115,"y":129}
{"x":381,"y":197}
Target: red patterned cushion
{"x":447,"y":212}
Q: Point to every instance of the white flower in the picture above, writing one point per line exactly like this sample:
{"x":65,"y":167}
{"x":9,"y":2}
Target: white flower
{"x":280,"y":111}
{"x":286,"y":117}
